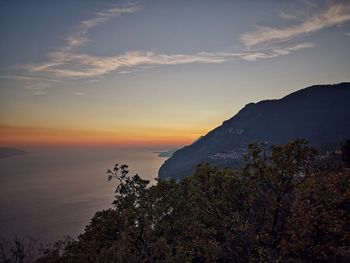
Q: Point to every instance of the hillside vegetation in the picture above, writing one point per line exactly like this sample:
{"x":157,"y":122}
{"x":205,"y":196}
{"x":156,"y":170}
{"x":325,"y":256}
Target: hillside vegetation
{"x":277,"y":208}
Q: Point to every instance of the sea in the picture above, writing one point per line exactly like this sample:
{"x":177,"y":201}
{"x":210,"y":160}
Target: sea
{"x":50,"y":193}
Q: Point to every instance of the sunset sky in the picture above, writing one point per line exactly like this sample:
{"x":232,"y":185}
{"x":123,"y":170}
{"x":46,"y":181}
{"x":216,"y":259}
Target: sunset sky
{"x":157,"y":72}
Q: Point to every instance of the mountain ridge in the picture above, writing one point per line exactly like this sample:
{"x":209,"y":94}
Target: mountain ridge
{"x":317,"y":113}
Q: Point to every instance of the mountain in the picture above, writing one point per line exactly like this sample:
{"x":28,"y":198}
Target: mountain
{"x":8,"y":152}
{"x":167,"y":153}
{"x":320,"y":114}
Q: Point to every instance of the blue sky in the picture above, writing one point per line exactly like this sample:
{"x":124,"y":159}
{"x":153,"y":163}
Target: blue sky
{"x":158,"y":71}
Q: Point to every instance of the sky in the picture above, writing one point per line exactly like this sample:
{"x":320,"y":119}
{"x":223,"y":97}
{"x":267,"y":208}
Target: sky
{"x":161,"y":73}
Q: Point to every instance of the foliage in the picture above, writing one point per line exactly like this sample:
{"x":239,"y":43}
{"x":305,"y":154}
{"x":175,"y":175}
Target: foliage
{"x":20,"y":250}
{"x":277,"y":208}
{"x":346,"y":152}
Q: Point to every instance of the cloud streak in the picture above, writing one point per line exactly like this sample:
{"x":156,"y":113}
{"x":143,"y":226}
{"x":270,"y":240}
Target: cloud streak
{"x":68,"y":63}
{"x":78,"y":38}
{"x":21,"y":77}
{"x":35,"y":85}
{"x":275,"y":52}
{"x":38,"y":88}
{"x":335,"y":14}
{"x":73,"y":65}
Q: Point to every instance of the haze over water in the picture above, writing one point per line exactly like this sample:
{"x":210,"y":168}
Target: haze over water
{"x":53,"y":192}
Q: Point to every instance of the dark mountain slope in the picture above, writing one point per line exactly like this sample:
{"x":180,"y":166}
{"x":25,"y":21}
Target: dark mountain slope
{"x":319,"y":113}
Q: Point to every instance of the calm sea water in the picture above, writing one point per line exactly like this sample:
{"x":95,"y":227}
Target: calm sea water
{"x":50,"y":193}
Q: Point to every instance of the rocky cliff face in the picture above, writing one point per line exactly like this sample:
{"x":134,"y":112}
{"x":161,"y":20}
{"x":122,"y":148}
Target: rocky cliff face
{"x":320,"y":114}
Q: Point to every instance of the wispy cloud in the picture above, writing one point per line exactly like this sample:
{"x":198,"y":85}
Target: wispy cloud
{"x":38,"y":88}
{"x":23,"y":77}
{"x":34,"y":85}
{"x":68,"y":62}
{"x":275,"y":52}
{"x":75,"y":65}
{"x":78,"y":37}
{"x":72,"y":65}
{"x":335,"y":14}
{"x":59,"y":61}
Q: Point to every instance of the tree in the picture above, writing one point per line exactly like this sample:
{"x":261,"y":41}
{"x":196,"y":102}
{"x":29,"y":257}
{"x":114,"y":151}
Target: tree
{"x":275,"y":172}
{"x":20,"y":250}
{"x":276,"y":208}
{"x":346,"y":153}
{"x":318,"y":228}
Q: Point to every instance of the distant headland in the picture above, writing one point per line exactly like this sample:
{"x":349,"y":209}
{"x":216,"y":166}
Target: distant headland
{"x":9,"y":152}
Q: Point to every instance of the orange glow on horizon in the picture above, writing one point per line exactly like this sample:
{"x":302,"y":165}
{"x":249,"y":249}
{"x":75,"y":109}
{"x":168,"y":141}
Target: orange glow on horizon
{"x":32,"y":136}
